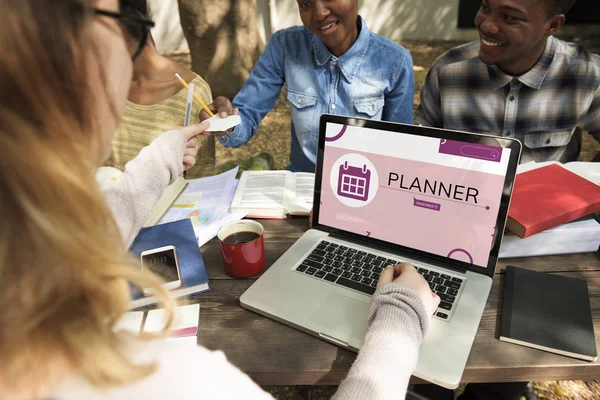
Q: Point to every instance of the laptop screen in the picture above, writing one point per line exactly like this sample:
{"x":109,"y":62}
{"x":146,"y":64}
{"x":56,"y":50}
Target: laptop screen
{"x":431,"y":194}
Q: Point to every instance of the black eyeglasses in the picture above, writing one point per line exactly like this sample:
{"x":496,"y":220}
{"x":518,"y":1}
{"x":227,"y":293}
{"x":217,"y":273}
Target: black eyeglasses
{"x":136,"y":26}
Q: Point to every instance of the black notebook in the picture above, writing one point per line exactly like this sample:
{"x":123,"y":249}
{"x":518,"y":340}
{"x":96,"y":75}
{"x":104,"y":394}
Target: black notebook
{"x":548,"y":312}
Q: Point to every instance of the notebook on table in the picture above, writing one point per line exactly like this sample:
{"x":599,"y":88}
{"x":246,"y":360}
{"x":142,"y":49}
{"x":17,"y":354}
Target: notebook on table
{"x":387,"y":193}
{"x":181,"y":235}
{"x":548,"y":312}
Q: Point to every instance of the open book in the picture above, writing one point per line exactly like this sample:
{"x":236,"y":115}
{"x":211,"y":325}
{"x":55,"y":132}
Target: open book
{"x":274,"y":194}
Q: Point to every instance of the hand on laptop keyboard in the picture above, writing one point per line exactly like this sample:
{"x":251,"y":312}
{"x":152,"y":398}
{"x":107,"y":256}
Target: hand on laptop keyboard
{"x":405,"y":273}
{"x":360,"y":270}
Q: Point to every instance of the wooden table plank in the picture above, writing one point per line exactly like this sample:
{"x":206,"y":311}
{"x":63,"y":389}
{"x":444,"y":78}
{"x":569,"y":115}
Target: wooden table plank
{"x":275,"y":354}
{"x":492,"y":359}
{"x":281,"y":234}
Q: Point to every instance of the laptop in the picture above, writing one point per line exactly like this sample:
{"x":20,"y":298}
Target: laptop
{"x":387,"y":193}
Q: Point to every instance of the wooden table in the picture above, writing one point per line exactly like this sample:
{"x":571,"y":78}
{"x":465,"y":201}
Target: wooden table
{"x":275,"y":354}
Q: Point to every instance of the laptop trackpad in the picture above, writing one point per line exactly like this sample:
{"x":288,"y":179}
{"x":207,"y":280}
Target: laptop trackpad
{"x":342,"y":317}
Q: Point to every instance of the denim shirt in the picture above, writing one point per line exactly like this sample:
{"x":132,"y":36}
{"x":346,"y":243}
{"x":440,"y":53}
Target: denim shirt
{"x":373,"y":79}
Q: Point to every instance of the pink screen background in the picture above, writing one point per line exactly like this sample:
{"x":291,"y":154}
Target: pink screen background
{"x":393,"y":217}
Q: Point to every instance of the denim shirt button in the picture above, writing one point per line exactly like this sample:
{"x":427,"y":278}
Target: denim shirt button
{"x":299,"y":99}
{"x":334,"y":62}
{"x":333,"y":106}
{"x":370,"y":107}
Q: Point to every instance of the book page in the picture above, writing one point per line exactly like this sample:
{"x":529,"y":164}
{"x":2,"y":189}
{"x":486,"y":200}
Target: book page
{"x":303,"y":190}
{"x":261,"y":189}
{"x":185,"y":320}
{"x":204,"y":200}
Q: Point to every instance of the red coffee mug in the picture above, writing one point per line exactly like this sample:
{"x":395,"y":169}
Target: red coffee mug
{"x":243,"y":248}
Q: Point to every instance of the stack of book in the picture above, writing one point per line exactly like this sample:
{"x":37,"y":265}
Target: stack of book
{"x":555,"y":209}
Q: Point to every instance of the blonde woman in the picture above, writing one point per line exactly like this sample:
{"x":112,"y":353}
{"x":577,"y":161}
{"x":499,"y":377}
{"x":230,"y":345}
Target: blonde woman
{"x":64,"y":269}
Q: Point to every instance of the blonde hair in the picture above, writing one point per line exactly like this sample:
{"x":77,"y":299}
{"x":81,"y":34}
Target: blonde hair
{"x":64,"y":270}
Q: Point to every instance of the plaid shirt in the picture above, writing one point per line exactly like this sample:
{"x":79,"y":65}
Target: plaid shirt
{"x":546,"y":108}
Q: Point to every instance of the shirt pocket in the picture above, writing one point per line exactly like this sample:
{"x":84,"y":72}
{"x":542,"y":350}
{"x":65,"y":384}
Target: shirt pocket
{"x":547,"y":138}
{"x":303,"y":110}
{"x":371,"y":106}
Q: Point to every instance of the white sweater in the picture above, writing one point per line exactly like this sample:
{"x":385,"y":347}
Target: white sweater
{"x":398,"y":320}
{"x":381,"y":371}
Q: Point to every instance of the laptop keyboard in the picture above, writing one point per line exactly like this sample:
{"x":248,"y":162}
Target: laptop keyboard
{"x":360,"y":271}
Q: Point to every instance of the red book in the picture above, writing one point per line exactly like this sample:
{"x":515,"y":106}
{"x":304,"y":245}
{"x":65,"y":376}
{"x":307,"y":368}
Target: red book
{"x":550,"y":196}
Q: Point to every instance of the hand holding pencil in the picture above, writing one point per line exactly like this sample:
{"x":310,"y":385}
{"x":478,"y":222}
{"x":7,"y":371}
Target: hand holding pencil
{"x":198,"y":99}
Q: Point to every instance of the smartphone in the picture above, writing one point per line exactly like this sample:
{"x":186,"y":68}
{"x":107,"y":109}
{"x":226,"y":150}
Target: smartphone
{"x":163,"y":262}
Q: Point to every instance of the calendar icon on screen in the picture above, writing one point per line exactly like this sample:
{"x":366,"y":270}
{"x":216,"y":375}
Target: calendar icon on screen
{"x":353,"y":182}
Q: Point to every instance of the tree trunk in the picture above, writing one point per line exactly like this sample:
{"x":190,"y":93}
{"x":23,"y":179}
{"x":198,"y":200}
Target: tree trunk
{"x":223,"y":39}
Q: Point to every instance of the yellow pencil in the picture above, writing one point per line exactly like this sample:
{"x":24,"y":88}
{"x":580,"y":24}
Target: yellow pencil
{"x":185,"y":85}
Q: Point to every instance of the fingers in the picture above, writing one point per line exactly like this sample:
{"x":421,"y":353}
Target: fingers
{"x":223,"y":106}
{"x":431,"y":303}
{"x":195,"y":130}
{"x":192,"y":143}
{"x":188,"y":162}
{"x":220,"y":133}
{"x":403,"y":267}
{"x":189,"y":152}
{"x":204,"y":115}
{"x":436,"y":300}
{"x":387,"y":276}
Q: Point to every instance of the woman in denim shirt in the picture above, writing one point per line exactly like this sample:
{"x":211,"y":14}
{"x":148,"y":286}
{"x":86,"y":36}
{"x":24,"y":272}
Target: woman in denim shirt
{"x":333,"y":64}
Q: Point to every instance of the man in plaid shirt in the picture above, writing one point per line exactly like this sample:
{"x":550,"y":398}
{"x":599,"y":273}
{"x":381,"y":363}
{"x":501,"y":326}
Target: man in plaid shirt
{"x":518,"y":81}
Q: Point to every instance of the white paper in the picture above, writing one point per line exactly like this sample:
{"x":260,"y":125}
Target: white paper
{"x":202,"y":199}
{"x":572,"y":237}
{"x":187,"y":342}
{"x":206,"y":233}
{"x":218,"y":124}
{"x":184,"y":317}
{"x":206,"y":201}
{"x":587,"y":170}
{"x":130,"y":322}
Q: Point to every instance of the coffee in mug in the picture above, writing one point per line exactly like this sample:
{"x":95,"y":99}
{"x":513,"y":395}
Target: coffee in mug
{"x":241,"y":237}
{"x":242,"y":247}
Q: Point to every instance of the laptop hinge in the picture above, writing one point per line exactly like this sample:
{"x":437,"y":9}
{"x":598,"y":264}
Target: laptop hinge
{"x":394,"y":250}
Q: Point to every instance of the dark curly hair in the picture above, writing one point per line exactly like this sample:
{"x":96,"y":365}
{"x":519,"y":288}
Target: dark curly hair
{"x":134,"y":8}
{"x":556,"y":7}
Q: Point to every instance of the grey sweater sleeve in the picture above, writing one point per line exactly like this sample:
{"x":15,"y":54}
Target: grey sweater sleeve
{"x":145,"y":178}
{"x":398,"y":323}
